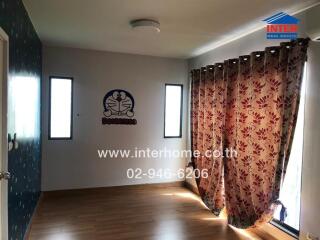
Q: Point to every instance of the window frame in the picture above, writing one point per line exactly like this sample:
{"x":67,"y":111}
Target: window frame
{"x":285,"y":228}
{"x":71,"y":110}
{"x":181,"y":110}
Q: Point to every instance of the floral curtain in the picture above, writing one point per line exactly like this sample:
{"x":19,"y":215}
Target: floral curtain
{"x":250,"y":105}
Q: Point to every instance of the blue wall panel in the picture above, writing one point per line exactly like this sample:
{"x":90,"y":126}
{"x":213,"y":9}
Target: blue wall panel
{"x":24,"y":87}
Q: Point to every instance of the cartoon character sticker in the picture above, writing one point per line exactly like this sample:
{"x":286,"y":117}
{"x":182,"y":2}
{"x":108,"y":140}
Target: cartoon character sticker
{"x":118,"y":107}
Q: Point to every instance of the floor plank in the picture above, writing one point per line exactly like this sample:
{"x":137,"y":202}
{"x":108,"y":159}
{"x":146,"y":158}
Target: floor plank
{"x":139,"y":212}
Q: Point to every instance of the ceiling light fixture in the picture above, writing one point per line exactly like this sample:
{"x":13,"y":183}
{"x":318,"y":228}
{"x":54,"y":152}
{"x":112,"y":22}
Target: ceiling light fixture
{"x":147,"y":24}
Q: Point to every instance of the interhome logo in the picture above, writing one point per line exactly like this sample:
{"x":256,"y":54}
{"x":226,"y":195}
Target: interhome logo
{"x":282,"y":26}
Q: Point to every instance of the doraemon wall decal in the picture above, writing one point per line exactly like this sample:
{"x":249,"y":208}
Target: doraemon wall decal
{"x":118,"y":107}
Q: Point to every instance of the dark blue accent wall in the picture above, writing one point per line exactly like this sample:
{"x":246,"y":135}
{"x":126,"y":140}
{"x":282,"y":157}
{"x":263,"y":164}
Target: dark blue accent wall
{"x":24,"y":86}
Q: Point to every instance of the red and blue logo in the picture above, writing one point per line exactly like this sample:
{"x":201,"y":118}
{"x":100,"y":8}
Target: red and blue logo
{"x":282,"y":26}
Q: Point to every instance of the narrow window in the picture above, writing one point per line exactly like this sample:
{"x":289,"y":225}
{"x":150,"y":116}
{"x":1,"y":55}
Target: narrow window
{"x":290,"y":192}
{"x":173,"y":111}
{"x":60,"y":108}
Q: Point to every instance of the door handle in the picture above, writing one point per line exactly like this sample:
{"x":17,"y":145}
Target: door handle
{"x":5,"y":175}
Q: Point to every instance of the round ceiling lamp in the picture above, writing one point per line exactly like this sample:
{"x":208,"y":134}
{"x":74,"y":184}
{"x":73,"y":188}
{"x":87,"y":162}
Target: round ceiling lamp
{"x":145,"y":24}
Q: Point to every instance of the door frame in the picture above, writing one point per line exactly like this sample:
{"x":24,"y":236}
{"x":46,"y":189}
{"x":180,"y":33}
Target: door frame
{"x":4,"y":139}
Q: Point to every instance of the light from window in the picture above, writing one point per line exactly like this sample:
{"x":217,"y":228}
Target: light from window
{"x":24,"y":103}
{"x":60,"y":108}
{"x":173,"y":111}
{"x":290,"y":192}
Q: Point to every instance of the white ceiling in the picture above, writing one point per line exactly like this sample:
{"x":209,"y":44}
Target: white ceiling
{"x":187,"y":26}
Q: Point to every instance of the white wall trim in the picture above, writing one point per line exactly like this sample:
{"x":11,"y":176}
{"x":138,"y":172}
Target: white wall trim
{"x":4,"y":154}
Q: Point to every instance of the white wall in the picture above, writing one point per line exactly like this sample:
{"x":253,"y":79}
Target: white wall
{"x":310,"y":196}
{"x":310,"y":199}
{"x":75,"y":163}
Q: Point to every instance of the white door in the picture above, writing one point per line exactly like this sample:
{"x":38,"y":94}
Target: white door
{"x":4,"y":175}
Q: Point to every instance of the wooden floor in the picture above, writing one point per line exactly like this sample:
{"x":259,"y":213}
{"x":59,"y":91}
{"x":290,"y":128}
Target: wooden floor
{"x":139,"y":212}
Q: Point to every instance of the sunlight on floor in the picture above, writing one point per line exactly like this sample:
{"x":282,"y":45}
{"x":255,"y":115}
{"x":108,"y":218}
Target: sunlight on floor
{"x":187,"y":195}
{"x":243,"y":234}
{"x":212,"y":219}
{"x":61,"y":236}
